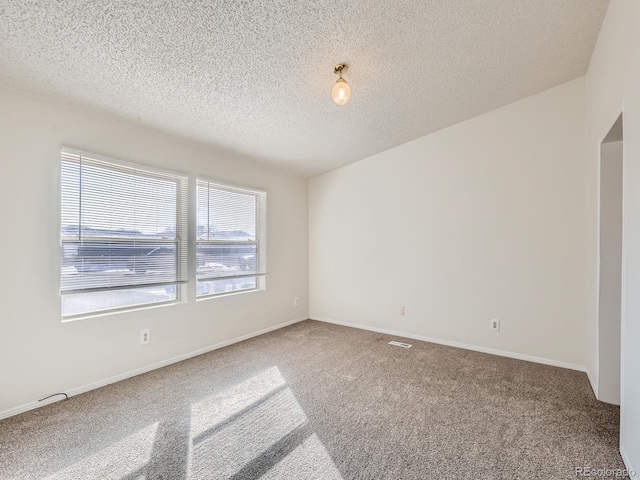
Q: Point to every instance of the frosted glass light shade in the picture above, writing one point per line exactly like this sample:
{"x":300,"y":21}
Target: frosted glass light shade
{"x":341,"y":92}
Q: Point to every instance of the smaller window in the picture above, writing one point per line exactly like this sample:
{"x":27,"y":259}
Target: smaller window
{"x":231,"y":239}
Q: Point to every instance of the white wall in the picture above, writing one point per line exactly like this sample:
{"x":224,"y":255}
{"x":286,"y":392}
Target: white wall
{"x":39,"y":355}
{"x":610,"y":291}
{"x":482,"y":220}
{"x":613,"y":84}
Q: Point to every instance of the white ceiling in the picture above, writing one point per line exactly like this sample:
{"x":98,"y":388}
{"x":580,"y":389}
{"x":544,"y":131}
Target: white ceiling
{"x":255,"y":77}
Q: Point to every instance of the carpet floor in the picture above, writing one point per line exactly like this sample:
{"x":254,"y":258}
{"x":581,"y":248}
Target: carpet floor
{"x":320,"y":401}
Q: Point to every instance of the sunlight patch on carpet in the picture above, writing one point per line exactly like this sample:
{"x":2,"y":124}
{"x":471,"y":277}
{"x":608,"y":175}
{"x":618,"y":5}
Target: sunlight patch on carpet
{"x":118,"y":460}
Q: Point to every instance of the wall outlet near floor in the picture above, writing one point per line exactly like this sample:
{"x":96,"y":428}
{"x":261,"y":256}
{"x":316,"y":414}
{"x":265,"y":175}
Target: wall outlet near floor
{"x":401,"y":312}
{"x":494,"y":325}
{"x":144,"y":337}
{"x":296,"y":301}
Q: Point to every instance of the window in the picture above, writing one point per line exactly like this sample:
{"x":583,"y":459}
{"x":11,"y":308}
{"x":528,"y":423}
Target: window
{"x":230,"y":245}
{"x":123,"y":234}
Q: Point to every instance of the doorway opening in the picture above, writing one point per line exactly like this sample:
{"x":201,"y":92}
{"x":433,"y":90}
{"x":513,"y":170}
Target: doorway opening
{"x":610,"y":275}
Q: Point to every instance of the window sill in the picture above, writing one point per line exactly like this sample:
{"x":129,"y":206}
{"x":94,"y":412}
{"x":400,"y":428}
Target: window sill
{"x":228,"y":294}
{"x":118,"y":311}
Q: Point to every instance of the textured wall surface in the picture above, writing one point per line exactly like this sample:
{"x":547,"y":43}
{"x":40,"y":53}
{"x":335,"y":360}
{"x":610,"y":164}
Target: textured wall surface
{"x":256,"y":76}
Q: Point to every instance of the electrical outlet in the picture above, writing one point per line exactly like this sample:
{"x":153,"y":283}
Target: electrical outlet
{"x":401,"y":310}
{"x":144,"y":337}
{"x":494,"y":325}
{"x":296,"y":301}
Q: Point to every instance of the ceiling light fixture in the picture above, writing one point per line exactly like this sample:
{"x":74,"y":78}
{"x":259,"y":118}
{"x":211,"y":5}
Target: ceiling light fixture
{"x":341,"y":92}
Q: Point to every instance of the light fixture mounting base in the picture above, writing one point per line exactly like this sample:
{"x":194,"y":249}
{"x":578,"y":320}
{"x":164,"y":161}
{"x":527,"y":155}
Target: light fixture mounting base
{"x":339,"y":68}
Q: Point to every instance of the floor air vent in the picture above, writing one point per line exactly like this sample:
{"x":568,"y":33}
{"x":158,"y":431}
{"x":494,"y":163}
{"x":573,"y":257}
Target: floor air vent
{"x":399,"y":344}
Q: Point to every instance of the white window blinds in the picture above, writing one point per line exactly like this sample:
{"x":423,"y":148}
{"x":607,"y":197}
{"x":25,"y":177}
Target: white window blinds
{"x":231,"y":238}
{"x":122,"y":227}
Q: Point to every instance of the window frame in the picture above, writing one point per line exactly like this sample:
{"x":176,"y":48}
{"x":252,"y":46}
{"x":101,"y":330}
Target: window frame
{"x":182,"y":182}
{"x":260,"y":221}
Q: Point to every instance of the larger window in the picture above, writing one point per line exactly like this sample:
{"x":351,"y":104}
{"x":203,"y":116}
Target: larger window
{"x":231,"y":243}
{"x":123,"y":234}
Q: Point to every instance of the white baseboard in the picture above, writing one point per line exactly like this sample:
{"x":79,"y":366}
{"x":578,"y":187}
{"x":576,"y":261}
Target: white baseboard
{"x":132,"y":373}
{"x":627,"y":463}
{"x":594,"y":385}
{"x":449,"y":343}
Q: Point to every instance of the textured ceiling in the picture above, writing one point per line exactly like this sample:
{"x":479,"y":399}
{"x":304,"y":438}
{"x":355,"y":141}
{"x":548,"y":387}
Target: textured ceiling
{"x":255,"y":77}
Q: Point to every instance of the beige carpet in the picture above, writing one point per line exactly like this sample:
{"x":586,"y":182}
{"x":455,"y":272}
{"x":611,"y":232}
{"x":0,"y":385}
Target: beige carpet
{"x":319,"y":401}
